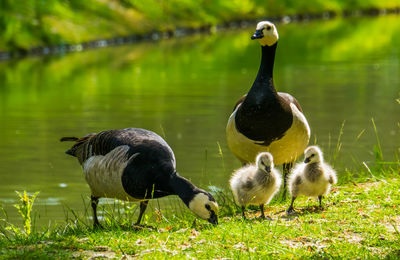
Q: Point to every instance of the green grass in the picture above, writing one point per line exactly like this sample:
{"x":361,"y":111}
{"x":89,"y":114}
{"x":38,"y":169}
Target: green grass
{"x":359,"y":220}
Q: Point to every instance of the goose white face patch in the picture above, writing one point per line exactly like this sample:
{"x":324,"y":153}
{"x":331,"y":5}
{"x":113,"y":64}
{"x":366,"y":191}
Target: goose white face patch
{"x":198,"y":206}
{"x":270,"y":33}
{"x":103,"y":173}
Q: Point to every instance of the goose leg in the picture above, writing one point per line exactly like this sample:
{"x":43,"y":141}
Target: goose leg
{"x":94,"y":201}
{"x":291,"y":210}
{"x":286,"y":169}
{"x":143,"y":206}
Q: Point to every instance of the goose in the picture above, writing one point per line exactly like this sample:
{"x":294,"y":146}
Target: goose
{"x":136,"y":164}
{"x":311,"y":178}
{"x":265,"y":120}
{"x":256,"y":184}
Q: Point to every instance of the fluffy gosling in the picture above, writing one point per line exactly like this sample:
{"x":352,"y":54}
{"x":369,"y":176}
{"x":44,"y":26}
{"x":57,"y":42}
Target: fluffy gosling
{"x":312,"y":178}
{"x":256,"y":184}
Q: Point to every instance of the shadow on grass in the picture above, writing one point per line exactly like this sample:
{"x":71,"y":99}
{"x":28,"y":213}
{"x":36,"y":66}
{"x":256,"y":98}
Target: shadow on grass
{"x":302,"y":211}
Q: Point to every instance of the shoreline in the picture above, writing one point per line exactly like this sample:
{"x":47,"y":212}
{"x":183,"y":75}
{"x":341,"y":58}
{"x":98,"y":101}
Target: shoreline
{"x":156,"y":35}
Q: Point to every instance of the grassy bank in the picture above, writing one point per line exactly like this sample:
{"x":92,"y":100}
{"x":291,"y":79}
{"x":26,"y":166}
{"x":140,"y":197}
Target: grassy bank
{"x":32,"y":23}
{"x":359,"y":220}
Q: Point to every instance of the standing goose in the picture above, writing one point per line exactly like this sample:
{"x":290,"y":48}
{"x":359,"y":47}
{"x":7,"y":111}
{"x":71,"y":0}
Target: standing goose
{"x":136,"y":165}
{"x":265,"y":120}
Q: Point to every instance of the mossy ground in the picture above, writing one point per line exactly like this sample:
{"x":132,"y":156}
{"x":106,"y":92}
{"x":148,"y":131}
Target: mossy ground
{"x":359,"y":220}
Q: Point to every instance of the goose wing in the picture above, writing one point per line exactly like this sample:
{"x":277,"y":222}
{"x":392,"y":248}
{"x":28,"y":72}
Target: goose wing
{"x":112,"y":162}
{"x":290,"y":99}
{"x":331,"y":173}
{"x":240,"y":101}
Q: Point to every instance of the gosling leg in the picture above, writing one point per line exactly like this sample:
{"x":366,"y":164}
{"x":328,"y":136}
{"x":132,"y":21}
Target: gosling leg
{"x":262,"y":211}
{"x":291,"y":210}
{"x":143,"y":206}
{"x":94,"y":201}
{"x":320,"y":201}
{"x":243,"y":208}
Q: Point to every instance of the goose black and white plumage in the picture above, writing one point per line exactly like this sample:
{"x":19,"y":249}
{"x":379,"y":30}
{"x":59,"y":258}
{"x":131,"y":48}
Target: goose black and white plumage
{"x":137,"y":165}
{"x":266,"y":120}
{"x":312,"y":178}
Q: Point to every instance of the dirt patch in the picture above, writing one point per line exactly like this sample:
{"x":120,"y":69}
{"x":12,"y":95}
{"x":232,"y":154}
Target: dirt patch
{"x":392,"y":224}
{"x":306,"y":242}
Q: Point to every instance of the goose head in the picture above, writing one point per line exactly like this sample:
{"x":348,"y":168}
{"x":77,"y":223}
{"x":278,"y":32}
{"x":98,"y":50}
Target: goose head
{"x":204,"y":205}
{"x":266,"y":33}
{"x":265,"y":162}
{"x":313,"y":155}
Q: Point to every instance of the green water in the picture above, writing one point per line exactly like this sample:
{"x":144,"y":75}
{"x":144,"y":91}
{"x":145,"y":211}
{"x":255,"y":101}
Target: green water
{"x":184,"y":89}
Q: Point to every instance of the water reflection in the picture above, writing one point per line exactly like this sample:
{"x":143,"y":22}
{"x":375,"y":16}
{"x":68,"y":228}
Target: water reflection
{"x":185,"y":89}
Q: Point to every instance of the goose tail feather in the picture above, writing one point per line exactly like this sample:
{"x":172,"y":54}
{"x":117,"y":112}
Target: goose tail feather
{"x":78,"y":142}
{"x":69,"y":139}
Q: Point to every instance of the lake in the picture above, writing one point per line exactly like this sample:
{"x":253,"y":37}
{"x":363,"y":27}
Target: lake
{"x":344,"y":73}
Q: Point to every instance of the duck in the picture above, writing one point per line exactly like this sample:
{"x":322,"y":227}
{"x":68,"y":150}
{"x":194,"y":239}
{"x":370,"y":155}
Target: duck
{"x":265,"y":120}
{"x":312,"y":178}
{"x":135,"y":164}
{"x":256,"y":184}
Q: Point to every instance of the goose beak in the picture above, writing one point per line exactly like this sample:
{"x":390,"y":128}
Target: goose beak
{"x":268,"y":168}
{"x":307,"y":160}
{"x":213,"y":219}
{"x":257,"y":35}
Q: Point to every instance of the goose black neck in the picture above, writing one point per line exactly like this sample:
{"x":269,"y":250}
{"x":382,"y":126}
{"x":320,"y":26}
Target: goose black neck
{"x":263,"y":87}
{"x":183,"y":188}
{"x":267,"y":62}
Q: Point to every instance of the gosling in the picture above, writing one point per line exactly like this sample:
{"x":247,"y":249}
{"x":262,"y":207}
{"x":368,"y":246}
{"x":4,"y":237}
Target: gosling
{"x":311,"y":178}
{"x":256,"y":184}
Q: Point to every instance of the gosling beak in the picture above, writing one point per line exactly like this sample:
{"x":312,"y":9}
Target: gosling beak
{"x":257,"y":35}
{"x":307,"y":160}
{"x":213,"y":219}
{"x":268,"y":168}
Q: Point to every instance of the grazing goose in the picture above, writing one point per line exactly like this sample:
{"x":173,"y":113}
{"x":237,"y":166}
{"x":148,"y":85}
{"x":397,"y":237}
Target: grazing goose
{"x":137,"y":165}
{"x":256,"y":184}
{"x":265,"y":120}
{"x":312,"y":178}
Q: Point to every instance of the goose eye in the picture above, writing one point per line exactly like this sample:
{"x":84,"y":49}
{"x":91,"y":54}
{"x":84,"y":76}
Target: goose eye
{"x":268,"y":28}
{"x":208,"y":207}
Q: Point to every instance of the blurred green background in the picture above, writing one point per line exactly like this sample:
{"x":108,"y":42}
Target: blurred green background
{"x":30,"y":23}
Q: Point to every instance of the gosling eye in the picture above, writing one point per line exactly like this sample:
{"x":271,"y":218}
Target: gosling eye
{"x":268,"y":28}
{"x":264,"y":164}
{"x":208,"y":207}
